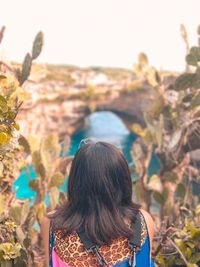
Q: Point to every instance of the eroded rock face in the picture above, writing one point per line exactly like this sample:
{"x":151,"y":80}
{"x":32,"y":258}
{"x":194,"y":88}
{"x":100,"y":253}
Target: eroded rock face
{"x":63,"y":105}
{"x":130,"y":107}
{"x":66,"y":116}
{"x":61,"y":98}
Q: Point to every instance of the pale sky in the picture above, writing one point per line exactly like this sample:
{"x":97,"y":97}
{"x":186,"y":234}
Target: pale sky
{"x":100,"y":32}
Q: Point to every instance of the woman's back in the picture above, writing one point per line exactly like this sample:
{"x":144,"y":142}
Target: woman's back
{"x":69,"y":251}
{"x":100,"y":206}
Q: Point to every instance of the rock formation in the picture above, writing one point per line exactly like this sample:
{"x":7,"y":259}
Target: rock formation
{"x":63,"y":106}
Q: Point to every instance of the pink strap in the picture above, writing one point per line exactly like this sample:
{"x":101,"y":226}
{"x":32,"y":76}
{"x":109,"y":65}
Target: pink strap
{"x":57,"y":262}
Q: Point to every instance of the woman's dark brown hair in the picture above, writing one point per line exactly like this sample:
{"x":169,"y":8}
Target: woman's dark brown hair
{"x":99,"y":195}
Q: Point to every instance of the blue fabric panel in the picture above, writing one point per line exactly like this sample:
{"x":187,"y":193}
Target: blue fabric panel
{"x":122,"y":264}
{"x":142,"y":257}
{"x":51,"y":245}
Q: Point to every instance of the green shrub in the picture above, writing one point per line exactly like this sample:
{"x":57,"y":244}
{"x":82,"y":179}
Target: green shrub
{"x":172,"y":131}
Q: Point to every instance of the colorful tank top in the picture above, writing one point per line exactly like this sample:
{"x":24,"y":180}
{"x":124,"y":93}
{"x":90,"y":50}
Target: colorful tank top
{"x":68,"y":251}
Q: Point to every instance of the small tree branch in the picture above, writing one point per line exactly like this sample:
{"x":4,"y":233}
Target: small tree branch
{"x":177,"y":248}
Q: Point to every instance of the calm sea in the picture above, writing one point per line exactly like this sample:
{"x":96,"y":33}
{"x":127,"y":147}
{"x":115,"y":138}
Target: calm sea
{"x":104,"y":126}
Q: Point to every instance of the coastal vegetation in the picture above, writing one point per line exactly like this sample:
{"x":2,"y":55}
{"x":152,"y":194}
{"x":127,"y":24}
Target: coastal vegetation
{"x":172,"y":133}
{"x":170,"y":129}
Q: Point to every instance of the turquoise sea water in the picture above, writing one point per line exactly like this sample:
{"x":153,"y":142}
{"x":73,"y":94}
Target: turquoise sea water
{"x":104,"y":126}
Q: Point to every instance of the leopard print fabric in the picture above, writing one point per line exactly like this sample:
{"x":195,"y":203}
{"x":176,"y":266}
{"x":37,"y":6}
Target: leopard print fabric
{"x":71,"y":250}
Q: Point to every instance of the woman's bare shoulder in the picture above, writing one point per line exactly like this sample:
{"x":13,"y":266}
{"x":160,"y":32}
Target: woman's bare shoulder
{"x":150,"y":224}
{"x":148,"y":219}
{"x":46,"y":220}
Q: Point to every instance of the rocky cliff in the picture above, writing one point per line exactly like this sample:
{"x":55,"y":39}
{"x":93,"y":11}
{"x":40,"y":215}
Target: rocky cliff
{"x":62,"y":98}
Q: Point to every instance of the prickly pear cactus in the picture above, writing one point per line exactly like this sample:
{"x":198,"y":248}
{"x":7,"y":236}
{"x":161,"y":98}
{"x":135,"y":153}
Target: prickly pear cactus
{"x":26,"y":66}
{"x":18,"y":237}
{"x":185,"y":81}
{"x":37,"y":45}
{"x":171,"y":187}
{"x":26,"y":69}
{"x":45,"y":161}
{"x":191,"y":80}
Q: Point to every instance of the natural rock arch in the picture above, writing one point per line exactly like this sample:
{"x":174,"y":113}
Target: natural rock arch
{"x":66,"y":116}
